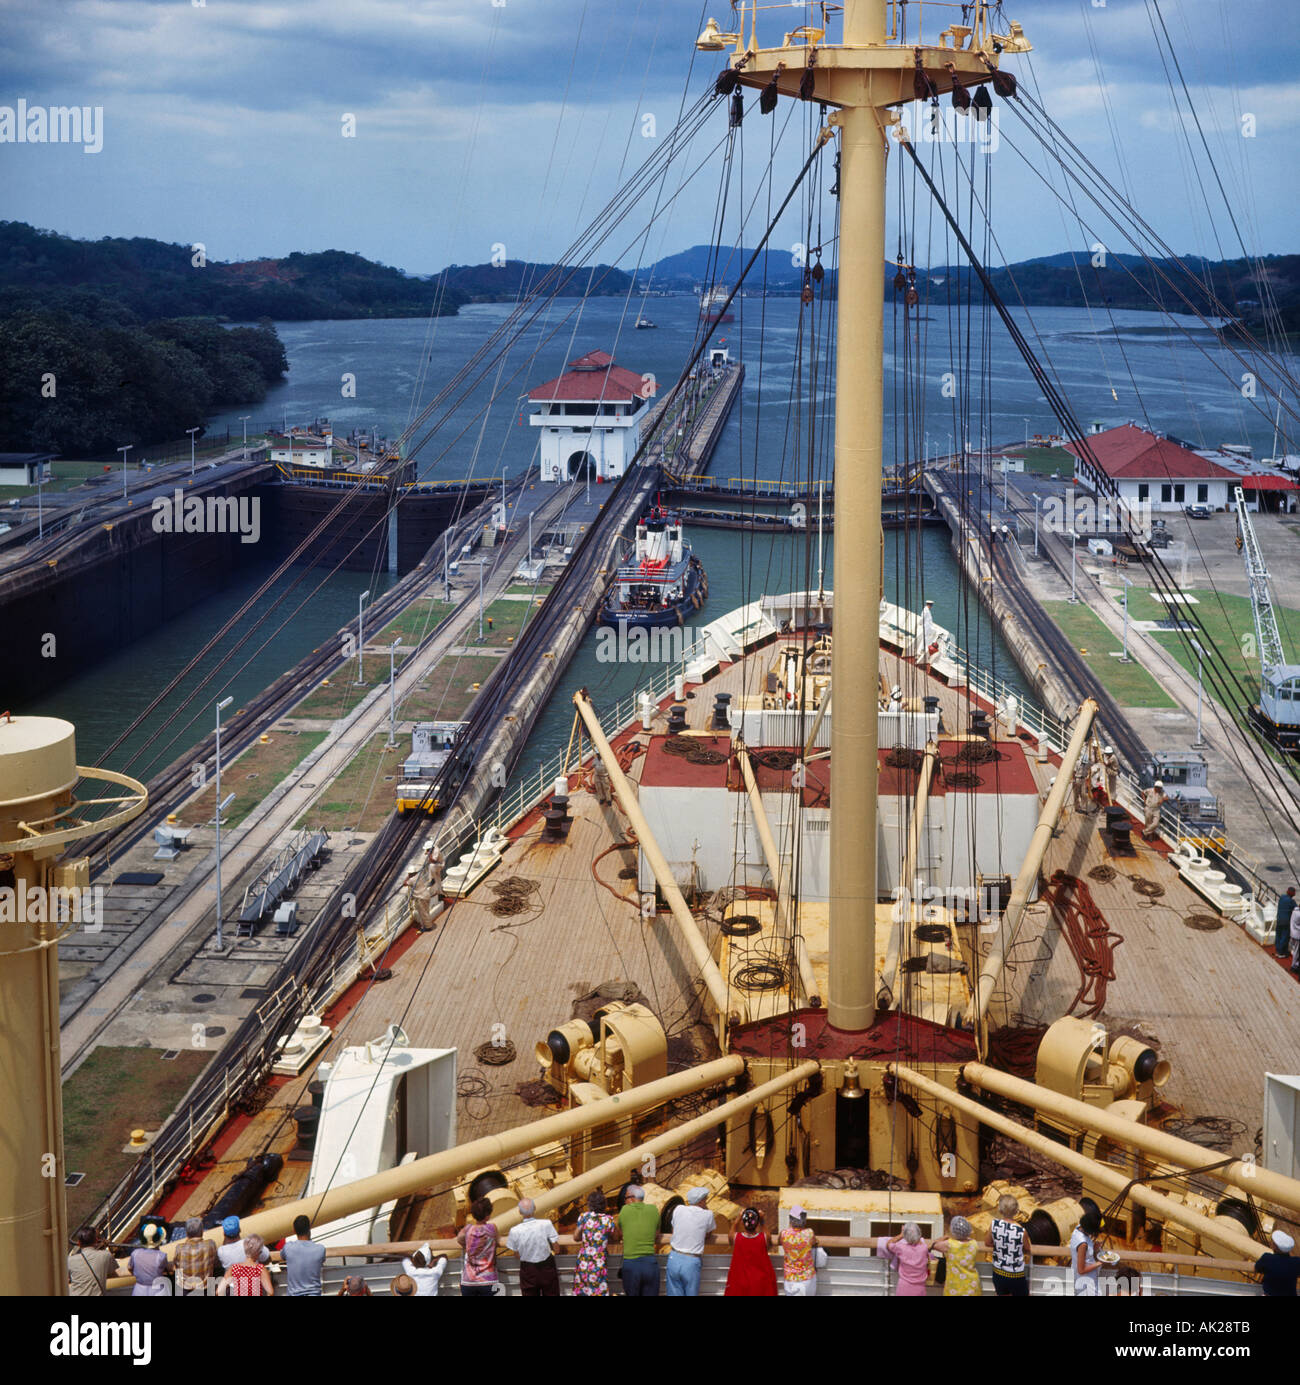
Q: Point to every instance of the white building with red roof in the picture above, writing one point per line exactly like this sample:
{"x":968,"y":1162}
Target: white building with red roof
{"x":1149,"y":469}
{"x":1152,"y":470}
{"x":590,"y":419}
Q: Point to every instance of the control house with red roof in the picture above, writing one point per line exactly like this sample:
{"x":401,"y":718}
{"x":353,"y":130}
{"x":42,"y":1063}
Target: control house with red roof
{"x":1154,"y":473}
{"x":1151,"y":470}
{"x":590,"y":419}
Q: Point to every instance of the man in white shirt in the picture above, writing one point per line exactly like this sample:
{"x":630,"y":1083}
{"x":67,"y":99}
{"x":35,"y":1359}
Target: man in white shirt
{"x":691,"y":1227}
{"x":231,"y":1251}
{"x":531,"y":1240}
{"x":425,"y":1274}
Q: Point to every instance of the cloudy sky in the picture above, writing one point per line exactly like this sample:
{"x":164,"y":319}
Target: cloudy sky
{"x":511,"y":122}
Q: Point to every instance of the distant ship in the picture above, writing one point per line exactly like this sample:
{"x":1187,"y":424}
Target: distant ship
{"x":643,"y":322}
{"x":712,"y":303}
{"x":664,"y":581}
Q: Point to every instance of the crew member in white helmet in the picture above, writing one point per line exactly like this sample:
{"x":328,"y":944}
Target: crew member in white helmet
{"x":1080,"y":782}
{"x":1151,"y":802}
{"x":1111,"y":767}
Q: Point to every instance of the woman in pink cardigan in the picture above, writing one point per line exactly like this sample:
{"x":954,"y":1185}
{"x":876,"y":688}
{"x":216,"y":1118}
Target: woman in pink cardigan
{"x":912,"y":1252}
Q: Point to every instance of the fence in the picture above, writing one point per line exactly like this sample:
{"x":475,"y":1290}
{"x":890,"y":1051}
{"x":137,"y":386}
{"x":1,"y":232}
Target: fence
{"x":253,"y":1052}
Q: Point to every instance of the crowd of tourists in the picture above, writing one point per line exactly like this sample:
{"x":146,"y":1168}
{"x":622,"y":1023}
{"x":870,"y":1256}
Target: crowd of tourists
{"x":240,"y":1265}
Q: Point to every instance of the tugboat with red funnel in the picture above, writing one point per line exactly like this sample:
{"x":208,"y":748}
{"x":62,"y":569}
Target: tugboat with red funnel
{"x":663,"y":583}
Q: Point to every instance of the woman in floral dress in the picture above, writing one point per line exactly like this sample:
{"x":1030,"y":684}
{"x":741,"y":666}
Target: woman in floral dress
{"x":596,"y":1228}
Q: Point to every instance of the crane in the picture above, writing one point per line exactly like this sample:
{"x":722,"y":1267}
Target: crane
{"x":1279,"y":690}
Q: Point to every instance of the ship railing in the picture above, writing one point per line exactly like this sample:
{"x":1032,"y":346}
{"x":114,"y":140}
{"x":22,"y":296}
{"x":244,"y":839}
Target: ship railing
{"x":1174,"y":826}
{"x":196,"y":1120}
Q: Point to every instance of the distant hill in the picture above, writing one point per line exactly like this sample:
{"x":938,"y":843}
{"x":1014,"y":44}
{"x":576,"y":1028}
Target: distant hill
{"x":1068,"y":279}
{"x":154,"y":279}
{"x":506,"y":282}
{"x":702,"y":264}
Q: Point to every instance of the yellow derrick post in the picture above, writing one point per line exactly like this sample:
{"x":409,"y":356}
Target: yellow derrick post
{"x":1005,"y":937}
{"x":450,"y":1164}
{"x":1112,"y":1179}
{"x":1274,"y":1187}
{"x":785,"y":923}
{"x":663,"y":875}
{"x":672,"y":1139}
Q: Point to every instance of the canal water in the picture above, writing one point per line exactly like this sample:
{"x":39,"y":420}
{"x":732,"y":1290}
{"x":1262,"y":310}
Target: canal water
{"x":379,"y":374}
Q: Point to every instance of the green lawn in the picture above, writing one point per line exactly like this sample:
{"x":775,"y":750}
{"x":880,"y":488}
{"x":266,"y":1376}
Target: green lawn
{"x":508,"y":619}
{"x":342,"y":693}
{"x":449,"y":689}
{"x":1223,"y":620}
{"x":360,"y":799}
{"x":251,"y":777}
{"x":1129,"y":684}
{"x":116,"y":1091}
{"x":418,"y":620}
{"x":1044,"y":461}
{"x":523,"y":589}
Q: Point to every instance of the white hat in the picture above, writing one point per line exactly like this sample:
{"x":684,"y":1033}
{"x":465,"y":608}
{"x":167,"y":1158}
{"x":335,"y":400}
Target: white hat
{"x":1160,"y":783}
{"x":1109,"y":750}
{"x":1282,"y":1241}
{"x":697,"y":1196}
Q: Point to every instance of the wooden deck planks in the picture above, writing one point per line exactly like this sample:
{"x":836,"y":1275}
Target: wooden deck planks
{"x":477,"y":971}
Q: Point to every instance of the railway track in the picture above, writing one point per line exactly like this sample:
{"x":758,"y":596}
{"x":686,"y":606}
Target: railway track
{"x":171,"y":785}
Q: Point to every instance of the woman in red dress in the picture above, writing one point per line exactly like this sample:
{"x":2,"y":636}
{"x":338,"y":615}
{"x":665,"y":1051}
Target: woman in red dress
{"x":248,"y":1278}
{"x":751,"y":1274}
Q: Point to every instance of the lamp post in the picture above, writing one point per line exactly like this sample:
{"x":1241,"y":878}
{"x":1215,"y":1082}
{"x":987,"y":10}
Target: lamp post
{"x":40,"y":508}
{"x":1199,"y":742}
{"x":191,"y":432}
{"x":446,"y":571}
{"x":1037,"y":501}
{"x":1124,"y":658}
{"x":225,"y":702}
{"x":124,"y":451}
{"x":361,"y":634}
{"x":1074,"y":597}
{"x":481,"y":562}
{"x":392,"y":696}
{"x":1026,"y":432}
{"x":243,"y":418}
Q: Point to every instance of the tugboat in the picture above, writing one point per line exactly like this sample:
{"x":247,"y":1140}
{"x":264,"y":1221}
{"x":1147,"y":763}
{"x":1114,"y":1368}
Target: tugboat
{"x":642,"y":323}
{"x":662,"y":583}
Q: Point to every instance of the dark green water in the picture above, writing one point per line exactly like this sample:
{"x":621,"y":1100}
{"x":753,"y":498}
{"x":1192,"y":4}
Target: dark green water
{"x":397,"y":362}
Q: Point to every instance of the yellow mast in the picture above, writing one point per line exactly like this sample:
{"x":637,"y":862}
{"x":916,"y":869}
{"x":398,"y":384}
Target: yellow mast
{"x":862,"y":77}
{"x":38,"y":818}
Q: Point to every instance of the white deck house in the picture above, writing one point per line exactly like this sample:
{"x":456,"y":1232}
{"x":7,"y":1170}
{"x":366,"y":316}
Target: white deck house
{"x":590,"y":419}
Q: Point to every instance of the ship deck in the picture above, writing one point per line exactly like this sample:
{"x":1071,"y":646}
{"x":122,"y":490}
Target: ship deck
{"x":1218,"y":1005}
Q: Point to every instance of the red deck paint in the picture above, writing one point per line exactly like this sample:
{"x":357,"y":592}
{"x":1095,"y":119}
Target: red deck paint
{"x":895,"y":1037}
